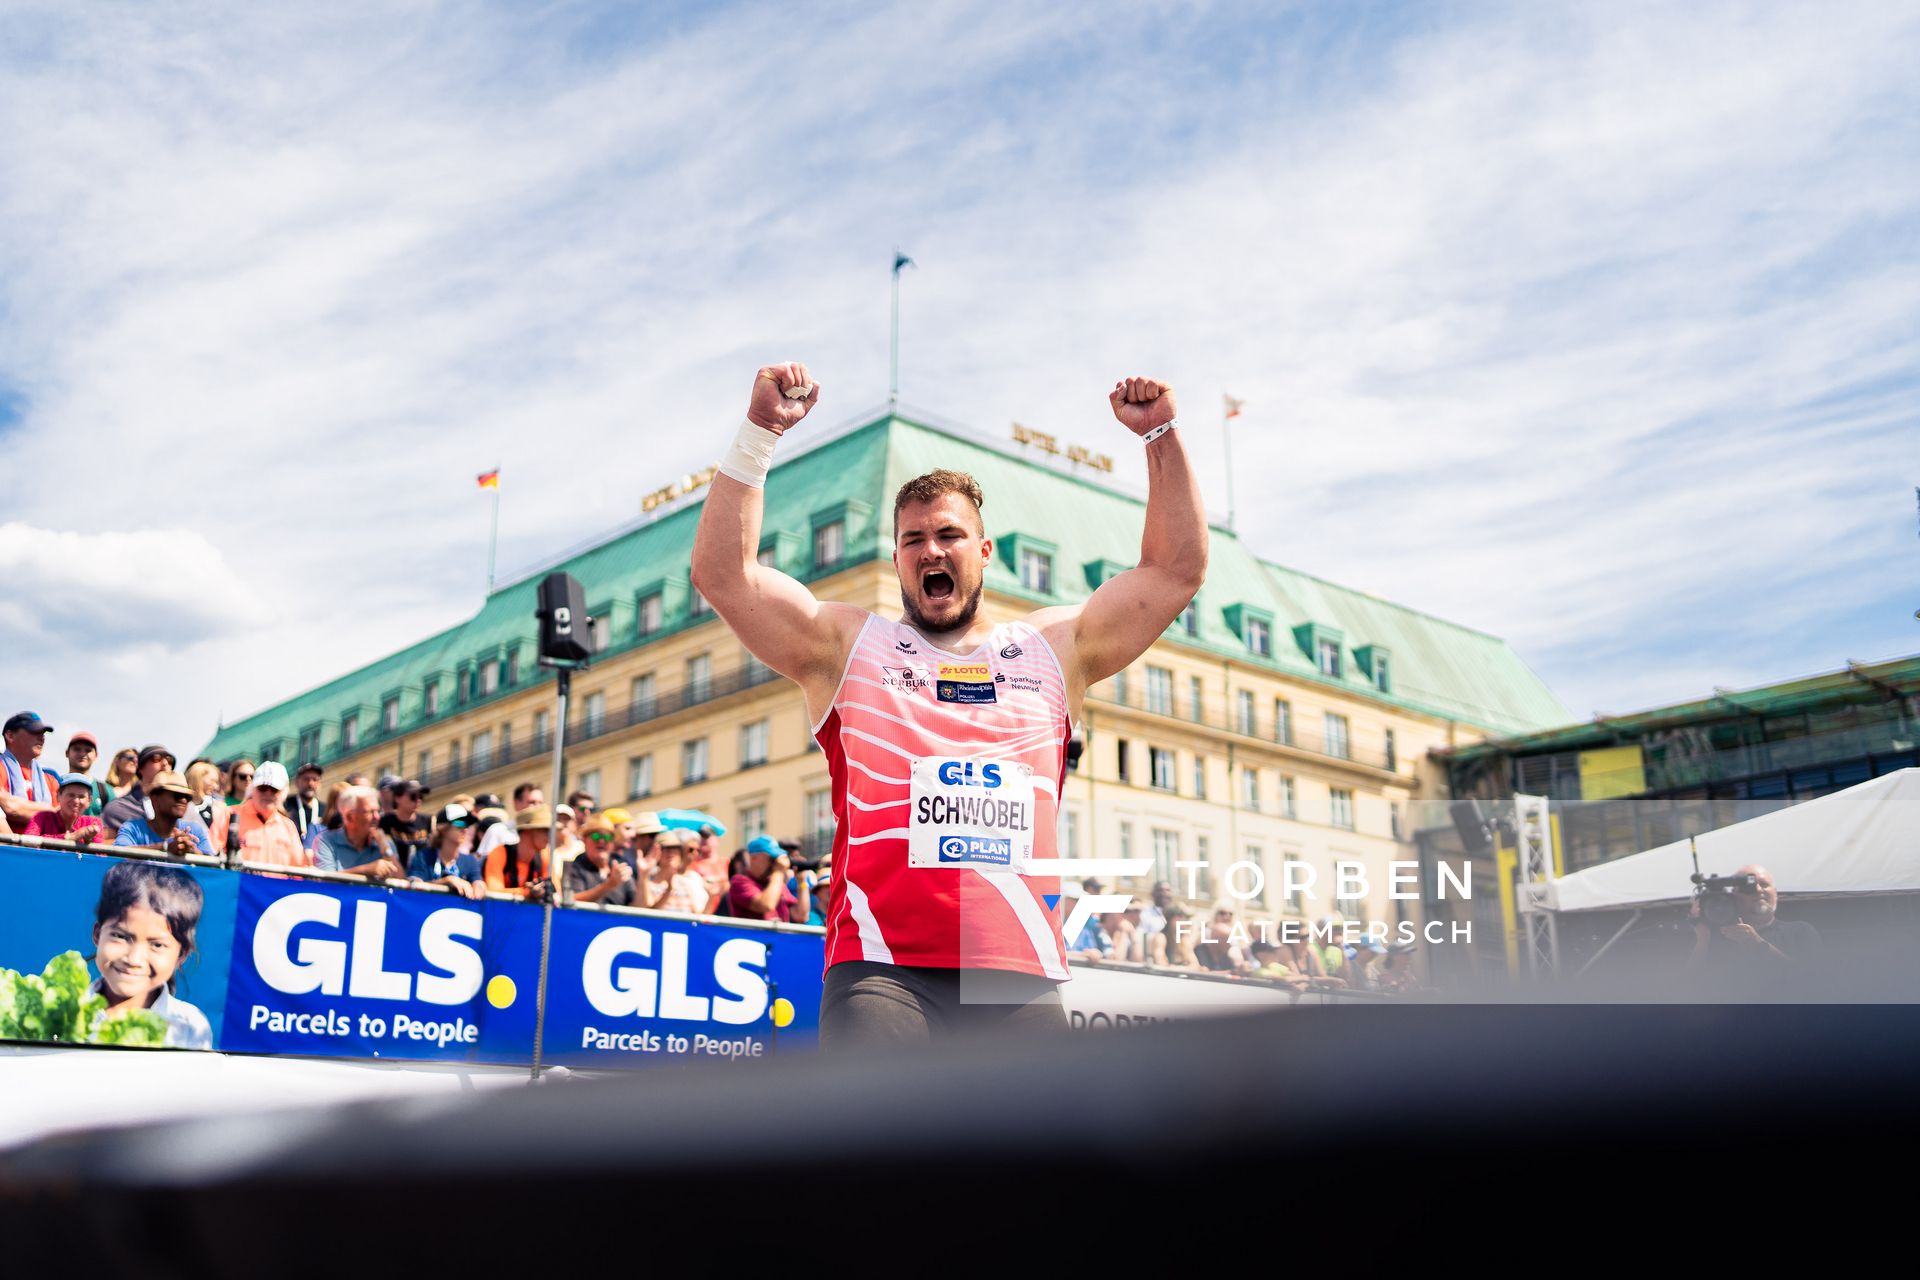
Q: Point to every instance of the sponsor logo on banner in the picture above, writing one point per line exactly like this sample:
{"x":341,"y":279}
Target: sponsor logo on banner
{"x":975,"y":849}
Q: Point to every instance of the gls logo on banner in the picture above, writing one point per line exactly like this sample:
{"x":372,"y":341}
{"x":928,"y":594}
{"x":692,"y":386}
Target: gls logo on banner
{"x":621,"y":990}
{"x":356,"y":966}
{"x":961,"y":773}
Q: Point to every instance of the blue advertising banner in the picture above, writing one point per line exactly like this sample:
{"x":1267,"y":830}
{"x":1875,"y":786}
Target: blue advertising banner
{"x":341,"y":971}
{"x":53,"y":901}
{"x":623,"y":990}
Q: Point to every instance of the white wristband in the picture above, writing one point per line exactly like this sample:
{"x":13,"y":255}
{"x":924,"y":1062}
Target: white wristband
{"x":1159,"y":431}
{"x":751,"y":455}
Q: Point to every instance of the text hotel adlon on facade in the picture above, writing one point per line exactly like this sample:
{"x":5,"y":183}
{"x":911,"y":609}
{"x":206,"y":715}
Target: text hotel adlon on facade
{"x":1283,"y":717}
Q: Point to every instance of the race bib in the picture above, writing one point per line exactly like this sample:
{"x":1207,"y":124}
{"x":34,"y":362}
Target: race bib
{"x":970,"y":813}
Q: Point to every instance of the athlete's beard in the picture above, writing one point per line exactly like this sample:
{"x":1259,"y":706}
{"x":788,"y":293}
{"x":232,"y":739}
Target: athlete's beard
{"x":961,"y":621}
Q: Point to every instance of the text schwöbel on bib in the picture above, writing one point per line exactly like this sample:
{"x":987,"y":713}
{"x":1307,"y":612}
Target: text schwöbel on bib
{"x":970,"y":812}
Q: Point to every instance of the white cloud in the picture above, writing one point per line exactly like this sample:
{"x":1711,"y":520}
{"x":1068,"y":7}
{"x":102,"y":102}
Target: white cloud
{"x":1541,"y":314}
{"x":87,"y":596}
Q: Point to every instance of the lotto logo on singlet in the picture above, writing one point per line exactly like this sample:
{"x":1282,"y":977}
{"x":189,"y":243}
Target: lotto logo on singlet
{"x":976,"y":849}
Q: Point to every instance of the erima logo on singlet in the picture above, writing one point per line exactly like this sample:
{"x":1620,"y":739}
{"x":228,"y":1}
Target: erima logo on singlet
{"x":905,"y":646}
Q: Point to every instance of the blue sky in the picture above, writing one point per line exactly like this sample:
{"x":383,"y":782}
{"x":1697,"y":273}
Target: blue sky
{"x":1590,"y":326}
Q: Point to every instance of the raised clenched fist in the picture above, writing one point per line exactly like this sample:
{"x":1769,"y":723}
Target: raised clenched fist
{"x":782,"y":394}
{"x":1141,"y":404}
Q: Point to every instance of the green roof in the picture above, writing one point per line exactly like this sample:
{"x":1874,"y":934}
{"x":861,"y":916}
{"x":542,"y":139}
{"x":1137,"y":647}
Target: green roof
{"x":1437,"y":667}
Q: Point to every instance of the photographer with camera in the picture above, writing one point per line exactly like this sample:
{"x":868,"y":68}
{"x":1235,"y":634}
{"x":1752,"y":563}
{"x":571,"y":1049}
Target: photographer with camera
{"x":758,"y":888}
{"x":1736,"y":934}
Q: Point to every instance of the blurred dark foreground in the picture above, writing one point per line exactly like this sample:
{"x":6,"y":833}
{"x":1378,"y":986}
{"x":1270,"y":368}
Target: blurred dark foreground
{"x":1396,"y":1127}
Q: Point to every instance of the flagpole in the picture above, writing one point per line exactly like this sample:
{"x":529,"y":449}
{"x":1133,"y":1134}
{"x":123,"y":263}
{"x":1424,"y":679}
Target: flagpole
{"x":893,"y":341}
{"x":493,"y":536}
{"x":1226,"y":437}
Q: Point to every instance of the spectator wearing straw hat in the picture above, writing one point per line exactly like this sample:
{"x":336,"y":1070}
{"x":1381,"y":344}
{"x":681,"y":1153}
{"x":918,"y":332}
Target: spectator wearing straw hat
{"x":171,"y":827}
{"x":68,"y":819}
{"x":517,"y":861}
{"x":597,"y":875}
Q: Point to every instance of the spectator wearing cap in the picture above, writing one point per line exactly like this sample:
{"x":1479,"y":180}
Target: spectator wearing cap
{"x":68,"y":819}
{"x":517,"y":863}
{"x":153,"y":760}
{"x":302,"y":806}
{"x":261,"y":832}
{"x":819,"y":882}
{"x":758,"y":888}
{"x":172,"y":826}
{"x":445,"y":860}
{"x":643,"y":831}
{"x":82,"y":750}
{"x":388,"y":781}
{"x":357,"y":845}
{"x":565,"y":825}
{"x":27,"y":787}
{"x":1270,"y":961}
{"x":1365,"y":953}
{"x":671,"y":884}
{"x":1396,"y":975}
{"x":1092,"y":942}
{"x":596,"y":875}
{"x":405,"y":825}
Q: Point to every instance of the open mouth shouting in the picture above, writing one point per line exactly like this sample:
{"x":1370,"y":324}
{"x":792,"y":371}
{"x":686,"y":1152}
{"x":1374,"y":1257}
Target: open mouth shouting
{"x":937,"y":586}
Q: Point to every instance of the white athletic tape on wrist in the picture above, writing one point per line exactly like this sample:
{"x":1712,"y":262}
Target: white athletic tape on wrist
{"x":1159,"y":431}
{"x":751,"y":455}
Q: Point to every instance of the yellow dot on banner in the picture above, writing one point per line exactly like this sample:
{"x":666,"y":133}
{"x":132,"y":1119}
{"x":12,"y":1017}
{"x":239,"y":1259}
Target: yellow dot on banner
{"x":782,"y":1012}
{"x":501,"y":991}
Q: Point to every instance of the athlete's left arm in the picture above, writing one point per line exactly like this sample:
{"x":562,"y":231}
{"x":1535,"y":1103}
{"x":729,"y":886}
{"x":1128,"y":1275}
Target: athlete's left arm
{"x":1131,"y":610}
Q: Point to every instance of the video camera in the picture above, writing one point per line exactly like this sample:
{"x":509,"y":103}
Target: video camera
{"x":1716,"y":896}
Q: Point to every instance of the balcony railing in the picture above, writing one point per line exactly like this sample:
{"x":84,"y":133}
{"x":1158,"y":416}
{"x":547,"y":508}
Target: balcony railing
{"x":1341,"y":748}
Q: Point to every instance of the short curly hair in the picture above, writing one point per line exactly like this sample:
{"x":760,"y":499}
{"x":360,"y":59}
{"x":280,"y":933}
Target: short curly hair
{"x":937,"y":484}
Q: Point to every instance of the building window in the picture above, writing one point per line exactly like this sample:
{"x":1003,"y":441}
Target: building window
{"x":1196,"y":698}
{"x":818,"y":818}
{"x":270,"y":750}
{"x":1243,"y":712}
{"x":640,"y":699}
{"x":463,"y":686}
{"x":453,"y":759}
{"x":1203,"y":854}
{"x":1070,"y":831}
{"x":753,"y":821}
{"x":433,"y":697}
{"x":699,"y":678}
{"x":1289,"y":806}
{"x":699,"y":606}
{"x":1190,"y":618}
{"x":1036,"y":571}
{"x":506,"y":743}
{"x":542,"y":730}
{"x":1160,"y":763}
{"x":1337,"y":736}
{"x":640,"y":777}
{"x":1122,"y":750}
{"x":423,"y":767}
{"x":1199,"y":777}
{"x":596,"y":712}
{"x":389,"y":715}
{"x":1259,"y":637}
{"x":1283,"y":721}
{"x":753,"y":744}
{"x":489,"y":677}
{"x":481,"y":752}
{"x":1258,"y":857}
{"x":1160,"y":691}
{"x":1166,"y":852}
{"x":829,"y":545}
{"x":651,"y":613}
{"x":1381,"y":678}
{"x":1120,"y":687}
{"x":1292,"y":880}
{"x":600,"y":631}
{"x":1329,"y":658}
{"x":513,"y":667}
{"x":1342,"y":807}
{"x":1250,"y":789}
{"x":765,"y":557}
{"x":693,"y":761}
{"x":752,"y":670}
{"x":590,"y":783}
{"x":350,"y":732}
{"x":1393,"y":755}
{"x":1393,"y":818}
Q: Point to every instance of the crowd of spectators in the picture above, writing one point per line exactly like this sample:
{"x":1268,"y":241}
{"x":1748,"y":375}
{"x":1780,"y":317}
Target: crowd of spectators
{"x":572,"y":853}
{"x":255,"y":814}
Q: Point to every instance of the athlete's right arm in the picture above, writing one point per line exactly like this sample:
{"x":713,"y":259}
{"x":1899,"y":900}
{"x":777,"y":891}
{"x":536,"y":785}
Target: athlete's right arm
{"x":776,"y":618}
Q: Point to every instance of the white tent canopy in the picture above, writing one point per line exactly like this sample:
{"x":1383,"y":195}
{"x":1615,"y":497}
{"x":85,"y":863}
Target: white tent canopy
{"x":1865,"y":839}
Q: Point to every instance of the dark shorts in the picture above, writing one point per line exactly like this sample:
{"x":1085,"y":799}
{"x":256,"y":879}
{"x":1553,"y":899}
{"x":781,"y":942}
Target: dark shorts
{"x":867,"y":1005}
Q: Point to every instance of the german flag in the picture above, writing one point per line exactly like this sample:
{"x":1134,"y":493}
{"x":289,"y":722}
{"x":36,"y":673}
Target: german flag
{"x":489,"y":479}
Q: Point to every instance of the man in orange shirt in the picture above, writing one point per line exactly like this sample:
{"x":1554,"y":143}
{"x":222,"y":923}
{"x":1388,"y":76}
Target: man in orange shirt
{"x":519,"y":865}
{"x":266,"y":833}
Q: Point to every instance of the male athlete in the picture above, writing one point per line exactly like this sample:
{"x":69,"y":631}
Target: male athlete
{"x":945,"y":734}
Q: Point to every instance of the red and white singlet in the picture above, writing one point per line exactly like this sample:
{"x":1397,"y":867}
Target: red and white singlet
{"x":946,"y":781}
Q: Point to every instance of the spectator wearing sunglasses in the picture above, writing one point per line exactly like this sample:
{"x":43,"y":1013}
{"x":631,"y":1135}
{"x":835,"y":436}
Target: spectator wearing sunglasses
{"x":596,"y":875}
{"x":446,"y":860}
{"x":239,"y":782}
